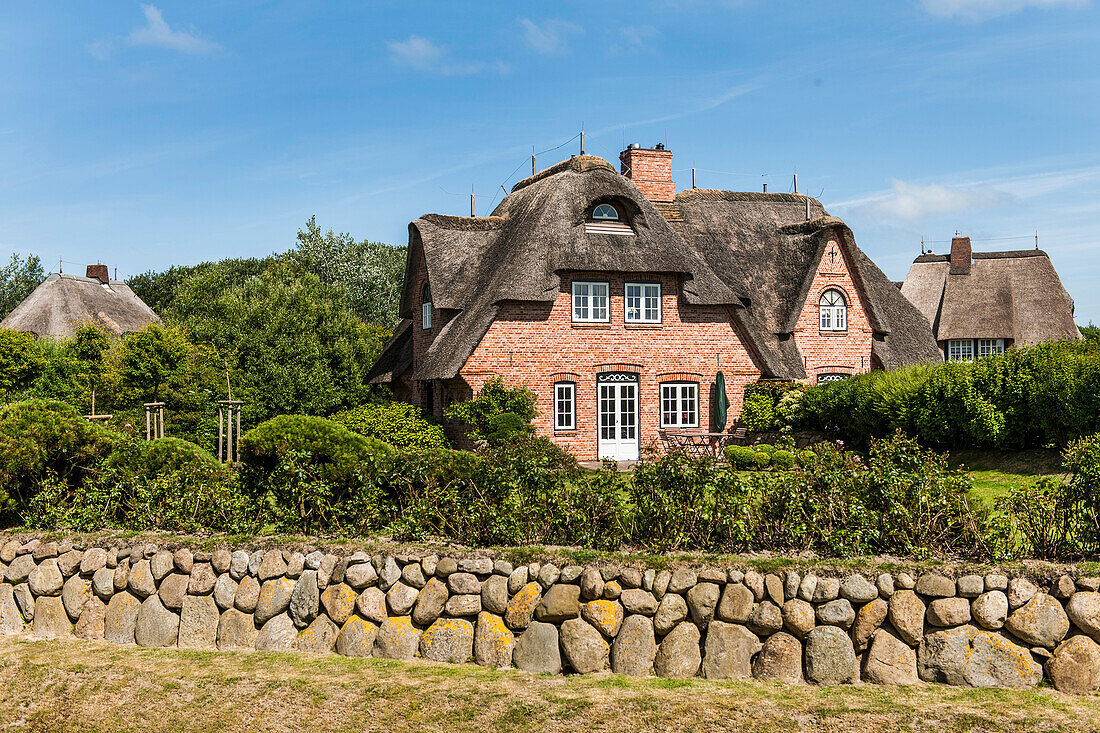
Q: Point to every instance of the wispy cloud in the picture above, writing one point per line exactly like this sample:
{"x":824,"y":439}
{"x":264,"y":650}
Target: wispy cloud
{"x":912,"y":202}
{"x":633,"y":39}
{"x":550,"y":37}
{"x":422,"y":54}
{"x":981,"y":9}
{"x":156,"y":32}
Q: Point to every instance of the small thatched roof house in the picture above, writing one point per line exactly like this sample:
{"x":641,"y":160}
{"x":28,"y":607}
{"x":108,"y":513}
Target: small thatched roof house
{"x":618,"y":301}
{"x":981,"y":303}
{"x":62,"y":302}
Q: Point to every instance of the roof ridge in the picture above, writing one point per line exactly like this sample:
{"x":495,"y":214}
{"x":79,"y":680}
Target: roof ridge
{"x":720,"y":194}
{"x":575,"y":163}
{"x":465,"y":223}
{"x":811,"y":225}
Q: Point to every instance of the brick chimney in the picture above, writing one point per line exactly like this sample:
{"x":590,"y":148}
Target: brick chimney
{"x":99,"y":272}
{"x":651,"y":171}
{"x":960,"y":255}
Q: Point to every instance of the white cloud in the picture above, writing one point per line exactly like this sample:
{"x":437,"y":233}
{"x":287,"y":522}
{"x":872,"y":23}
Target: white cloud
{"x":421,"y":54}
{"x":980,"y":9}
{"x":633,"y":39}
{"x":549,"y":38}
{"x":157,"y":32}
{"x":912,"y":202}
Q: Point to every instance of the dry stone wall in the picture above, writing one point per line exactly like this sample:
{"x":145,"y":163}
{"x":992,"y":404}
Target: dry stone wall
{"x":979,"y":630}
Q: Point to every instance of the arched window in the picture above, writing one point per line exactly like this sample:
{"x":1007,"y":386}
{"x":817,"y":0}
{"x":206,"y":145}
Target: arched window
{"x":605,"y":212}
{"x":426,"y":307}
{"x":833,"y":311}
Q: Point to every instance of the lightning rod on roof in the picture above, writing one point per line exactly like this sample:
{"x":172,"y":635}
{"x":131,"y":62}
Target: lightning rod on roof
{"x":1036,"y":239}
{"x":471,"y":201}
{"x":582,"y":142}
{"x":796,"y":182}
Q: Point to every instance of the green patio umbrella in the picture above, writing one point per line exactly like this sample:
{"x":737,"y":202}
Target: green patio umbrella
{"x":721,"y":403}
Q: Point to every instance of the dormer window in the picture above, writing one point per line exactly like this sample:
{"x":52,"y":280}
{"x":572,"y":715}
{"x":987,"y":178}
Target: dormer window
{"x":426,"y":308}
{"x":605,"y":212}
{"x":833,"y":311}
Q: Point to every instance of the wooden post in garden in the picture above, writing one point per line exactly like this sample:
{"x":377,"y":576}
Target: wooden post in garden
{"x":154,"y":420}
{"x":229,"y":430}
{"x":92,"y":416}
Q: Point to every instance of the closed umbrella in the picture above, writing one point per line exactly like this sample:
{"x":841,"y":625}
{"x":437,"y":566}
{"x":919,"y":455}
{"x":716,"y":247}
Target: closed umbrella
{"x":721,"y":403}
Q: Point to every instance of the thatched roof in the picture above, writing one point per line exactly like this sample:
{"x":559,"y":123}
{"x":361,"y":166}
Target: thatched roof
{"x":753,"y":253}
{"x":1010,"y":295}
{"x":62,"y":302}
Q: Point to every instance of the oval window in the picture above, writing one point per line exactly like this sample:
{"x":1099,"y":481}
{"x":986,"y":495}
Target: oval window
{"x":605,"y":212}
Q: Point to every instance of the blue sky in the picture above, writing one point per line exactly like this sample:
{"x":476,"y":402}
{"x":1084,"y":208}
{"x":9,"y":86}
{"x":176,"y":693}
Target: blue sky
{"x":145,"y":135}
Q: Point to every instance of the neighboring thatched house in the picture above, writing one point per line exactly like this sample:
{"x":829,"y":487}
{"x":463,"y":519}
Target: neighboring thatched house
{"x":617,"y":301}
{"x":62,"y":302}
{"x":981,"y":303}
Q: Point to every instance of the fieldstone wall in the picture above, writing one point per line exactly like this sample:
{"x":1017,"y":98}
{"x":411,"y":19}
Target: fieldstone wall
{"x":985,"y":630}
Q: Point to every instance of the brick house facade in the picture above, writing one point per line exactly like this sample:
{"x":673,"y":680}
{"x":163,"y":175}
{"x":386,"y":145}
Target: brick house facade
{"x":617,"y":301}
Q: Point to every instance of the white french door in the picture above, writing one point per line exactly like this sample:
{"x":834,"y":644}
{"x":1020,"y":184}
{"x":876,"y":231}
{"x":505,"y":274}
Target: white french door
{"x":617,"y":393}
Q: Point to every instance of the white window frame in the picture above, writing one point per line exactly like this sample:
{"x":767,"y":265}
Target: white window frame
{"x":990,"y":347}
{"x":426,"y":308}
{"x":648,"y":296}
{"x":674,"y":395}
{"x":565,"y":396}
{"x":587,"y":301}
{"x":960,"y":350}
{"x":617,"y":217}
{"x":832,"y":317}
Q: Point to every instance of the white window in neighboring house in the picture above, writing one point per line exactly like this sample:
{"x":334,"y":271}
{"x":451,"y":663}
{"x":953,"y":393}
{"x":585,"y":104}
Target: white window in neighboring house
{"x":990,"y":347}
{"x":643,"y":303}
{"x":605,"y":212}
{"x":426,"y":308}
{"x":565,"y":406}
{"x":960,"y":350}
{"x":833,"y":310}
{"x":590,"y":302}
{"x":679,"y":405}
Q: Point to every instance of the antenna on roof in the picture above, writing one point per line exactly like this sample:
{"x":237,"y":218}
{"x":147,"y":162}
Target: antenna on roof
{"x":693,"y":176}
{"x":922,"y":245}
{"x":58,"y":265}
{"x":1036,"y":239}
{"x":582,"y":137}
{"x":533,"y":169}
{"x":471,"y":200}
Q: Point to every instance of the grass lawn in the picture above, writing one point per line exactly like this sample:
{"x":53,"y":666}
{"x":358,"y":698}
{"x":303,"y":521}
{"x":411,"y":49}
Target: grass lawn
{"x":94,"y":686}
{"x":996,"y":473}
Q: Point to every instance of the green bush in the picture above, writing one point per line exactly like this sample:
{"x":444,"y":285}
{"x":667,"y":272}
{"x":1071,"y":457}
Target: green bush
{"x":740,"y":457}
{"x":764,"y":448}
{"x":175,"y":456}
{"x":762,"y":459}
{"x":398,"y":423}
{"x":806,"y":457}
{"x":45,"y":440}
{"x":492,"y":399}
{"x":318,"y":475}
{"x":783,"y":459}
{"x":21,"y":361}
{"x":757,"y":413}
{"x":501,"y":428}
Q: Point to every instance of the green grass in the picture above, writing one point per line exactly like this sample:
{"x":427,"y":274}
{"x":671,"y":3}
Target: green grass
{"x":996,"y":473}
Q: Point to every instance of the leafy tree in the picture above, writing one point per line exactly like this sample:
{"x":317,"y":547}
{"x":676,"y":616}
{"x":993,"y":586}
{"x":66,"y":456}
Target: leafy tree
{"x":17,"y":279}
{"x":493,"y":399}
{"x":21,"y":361}
{"x":89,"y":349}
{"x":158,"y":289}
{"x":1091,"y":332}
{"x":290,"y":341}
{"x":151,"y":357}
{"x":370,"y":273}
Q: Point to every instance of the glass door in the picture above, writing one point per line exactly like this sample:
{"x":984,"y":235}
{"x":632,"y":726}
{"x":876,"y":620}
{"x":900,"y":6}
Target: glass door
{"x":618,"y":416}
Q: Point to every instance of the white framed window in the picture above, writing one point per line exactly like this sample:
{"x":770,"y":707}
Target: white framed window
{"x":960,"y":350}
{"x":590,"y":302}
{"x":565,"y":406}
{"x":643,"y":302}
{"x":426,"y":308}
{"x":605,"y":212}
{"x":990,"y":347}
{"x":833,"y":310}
{"x":679,"y":405}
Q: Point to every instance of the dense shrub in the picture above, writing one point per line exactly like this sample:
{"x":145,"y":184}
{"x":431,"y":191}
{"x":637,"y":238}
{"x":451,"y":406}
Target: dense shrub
{"x":1027,"y":397}
{"x":764,"y":448}
{"x":398,"y":423}
{"x":503,"y":427}
{"x":316,"y":474}
{"x":757,"y":413}
{"x":806,"y":457}
{"x":21,"y":361}
{"x":493,"y":399}
{"x":762,"y":459}
{"x":783,"y":459}
{"x":740,"y":456}
{"x":174,"y":456}
{"x":44,"y":440}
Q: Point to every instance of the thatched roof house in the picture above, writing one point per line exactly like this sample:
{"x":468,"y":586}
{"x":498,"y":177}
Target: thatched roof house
{"x":981,"y":303}
{"x":587,"y":279}
{"x":62,"y":302}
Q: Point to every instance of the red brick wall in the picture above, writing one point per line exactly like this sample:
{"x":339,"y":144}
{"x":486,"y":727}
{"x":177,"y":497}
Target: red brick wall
{"x":536,"y":344}
{"x":651,"y":172}
{"x":843,"y":352}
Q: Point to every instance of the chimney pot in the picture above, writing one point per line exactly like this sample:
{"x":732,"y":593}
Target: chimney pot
{"x":961,"y":255}
{"x":650,"y":170}
{"x":99,"y":272}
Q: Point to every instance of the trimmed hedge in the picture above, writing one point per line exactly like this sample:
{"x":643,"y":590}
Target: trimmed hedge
{"x":398,"y":423}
